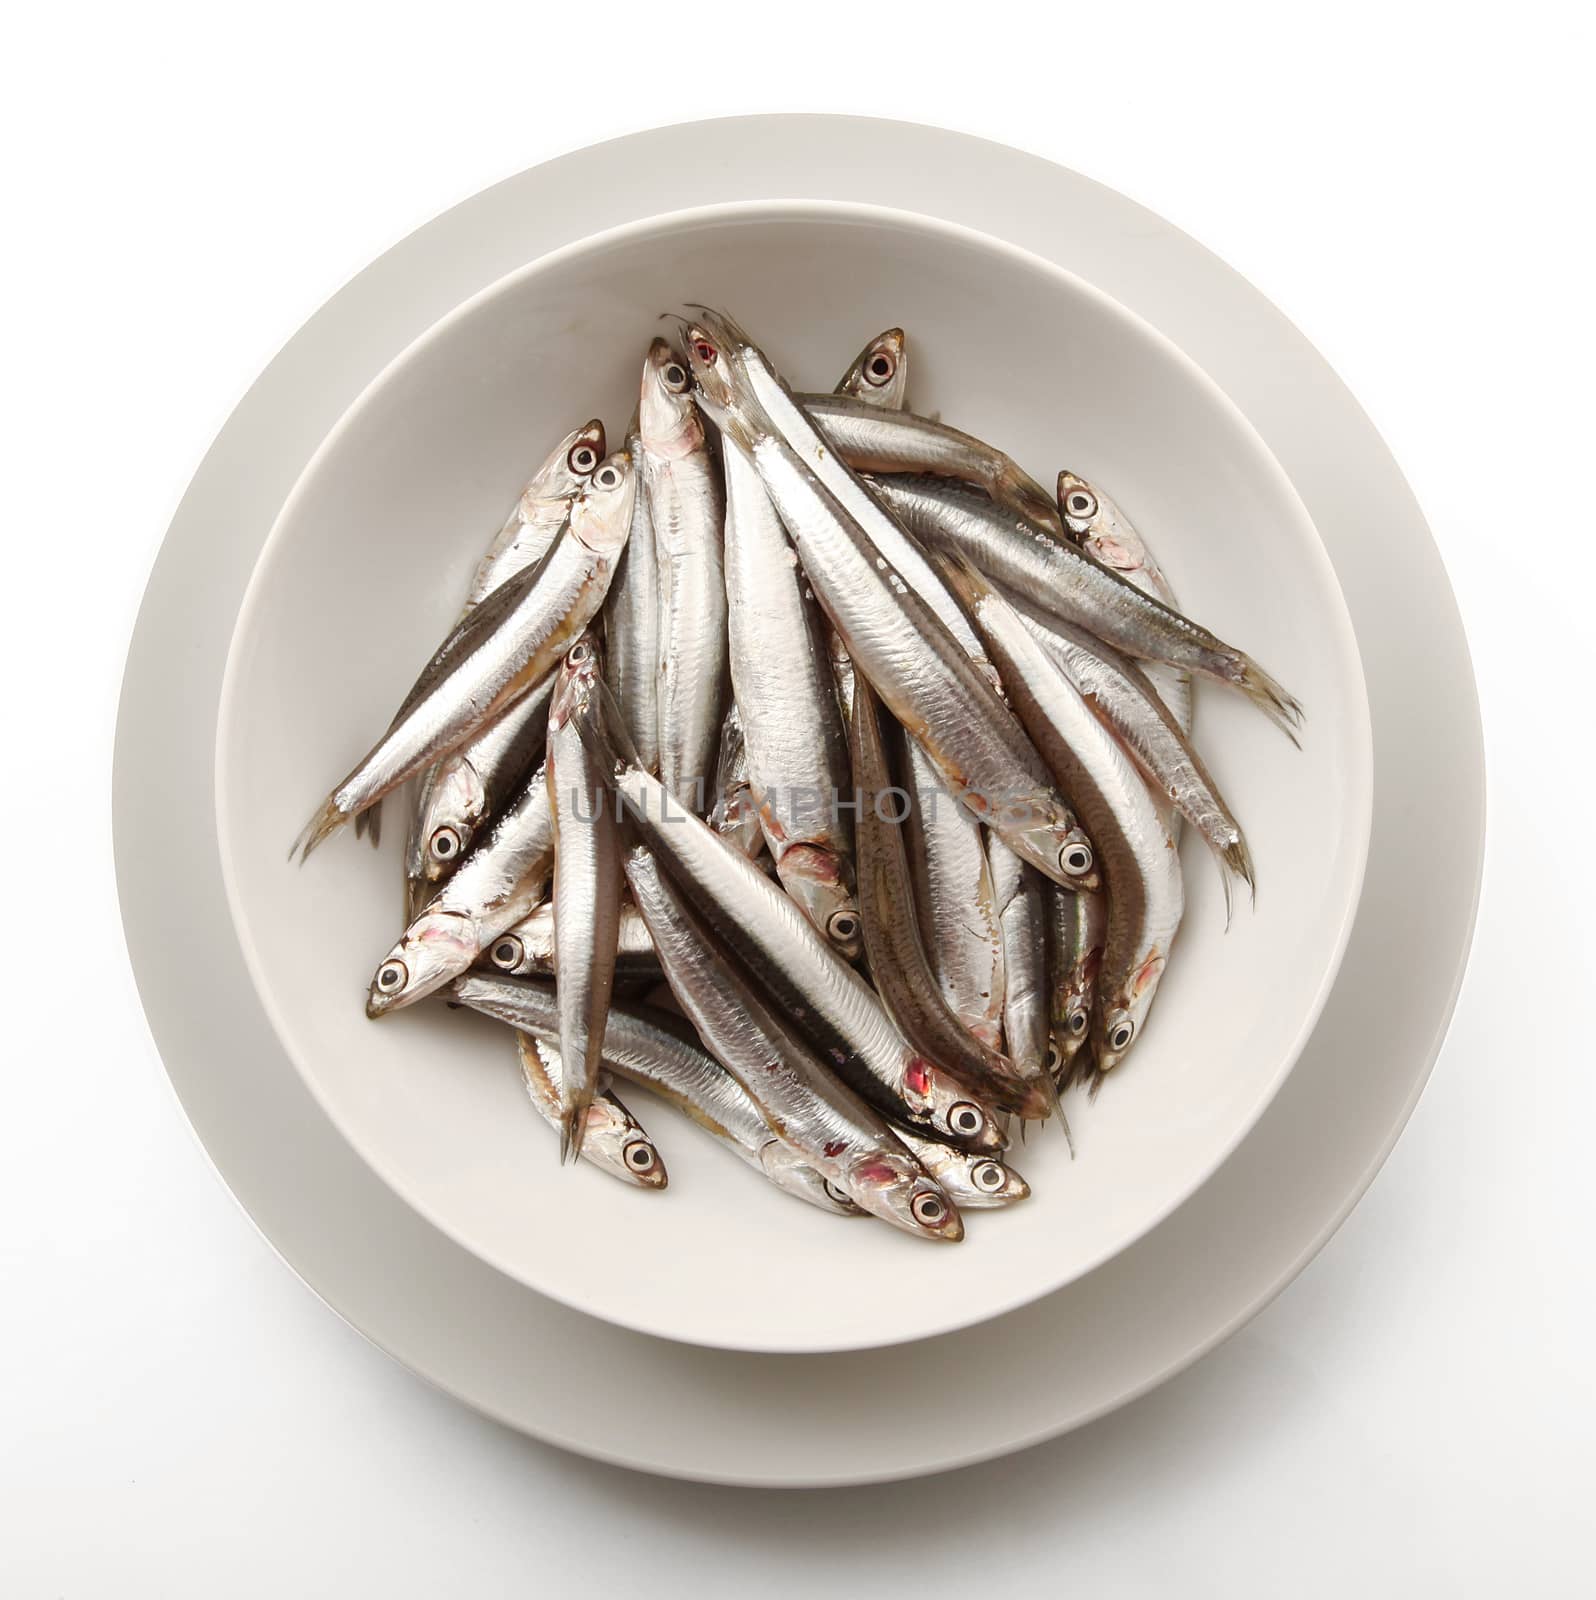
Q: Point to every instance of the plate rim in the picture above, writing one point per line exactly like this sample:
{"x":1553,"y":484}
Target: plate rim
{"x":1358,"y":793}
{"x":792,"y":140}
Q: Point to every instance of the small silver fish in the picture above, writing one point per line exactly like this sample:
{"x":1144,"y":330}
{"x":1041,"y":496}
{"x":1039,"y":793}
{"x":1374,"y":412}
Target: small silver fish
{"x":686,"y":506}
{"x":893,"y":637}
{"x":836,"y":1010}
{"x":497,"y":885}
{"x":792,"y":728}
{"x":587,"y":889}
{"x":500,"y":652}
{"x":826,"y":1124}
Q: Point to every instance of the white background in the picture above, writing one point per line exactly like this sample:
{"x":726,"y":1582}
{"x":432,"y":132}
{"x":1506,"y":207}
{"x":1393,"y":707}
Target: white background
{"x":184,"y":185}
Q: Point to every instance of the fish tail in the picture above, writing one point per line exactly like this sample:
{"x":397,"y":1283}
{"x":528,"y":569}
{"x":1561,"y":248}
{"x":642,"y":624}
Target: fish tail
{"x":1015,"y":488}
{"x":1235,"y":861}
{"x":369,"y":824}
{"x":1270,"y":697}
{"x":1057,"y":1106}
{"x":323,"y":825}
{"x":573,"y":1126}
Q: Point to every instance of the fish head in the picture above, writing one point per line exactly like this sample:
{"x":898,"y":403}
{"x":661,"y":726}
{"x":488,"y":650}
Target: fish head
{"x":614,"y":1140}
{"x":1095,"y":522}
{"x":1122,"y":1014}
{"x":716,"y":348}
{"x":667,"y":417}
{"x":879,"y":374}
{"x":453,"y":806}
{"x":437,"y":946}
{"x":994,"y":1184}
{"x":788,"y":1170}
{"x":601,"y":518}
{"x":947,"y":1107}
{"x":895,"y":1188}
{"x":576,"y":678}
{"x":1053,"y":842}
{"x":815,"y":878}
{"x":570,"y":464}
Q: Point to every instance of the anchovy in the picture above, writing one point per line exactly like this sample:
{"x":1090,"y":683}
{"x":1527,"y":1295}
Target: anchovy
{"x":871,"y":439}
{"x":1020,"y":894}
{"x":1124,"y":700}
{"x":796,"y":747}
{"x":1073,"y":587}
{"x":898,"y":961}
{"x":829,"y":1126}
{"x":501,"y":651}
{"x":687,"y":509}
{"x":953,"y":896}
{"x":1076,"y":930}
{"x":497,"y":885}
{"x":632,"y":630}
{"x":587,"y":890}
{"x":913,"y":662}
{"x":659,"y":1052}
{"x":459,"y":795}
{"x":1141,"y":866}
{"x":810,"y":983}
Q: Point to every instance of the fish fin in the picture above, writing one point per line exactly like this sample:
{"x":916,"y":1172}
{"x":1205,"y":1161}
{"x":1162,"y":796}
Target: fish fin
{"x":327,"y":821}
{"x":1271,"y":698}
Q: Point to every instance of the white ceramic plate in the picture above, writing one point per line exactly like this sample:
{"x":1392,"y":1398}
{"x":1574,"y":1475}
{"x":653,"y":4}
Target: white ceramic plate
{"x":361,"y":577}
{"x":860,"y":1417}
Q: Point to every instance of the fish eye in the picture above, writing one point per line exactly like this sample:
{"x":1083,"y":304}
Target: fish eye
{"x":508,"y":952}
{"x":705,"y":351}
{"x":838,"y":1193}
{"x":1081,"y":503}
{"x":929,"y":1209}
{"x":607,"y":477}
{"x":1075,"y":859}
{"x":1121,"y":1034}
{"x":444,"y":844}
{"x":583,"y":458}
{"x":1078,"y":1023}
{"x":640,"y":1156}
{"x":966,"y":1119}
{"x":879,"y":368}
{"x":1055,"y":1056}
{"x":579,"y":652}
{"x":988,"y":1176}
{"x":843,"y":927}
{"x":392,"y":975}
{"x":674,"y":375}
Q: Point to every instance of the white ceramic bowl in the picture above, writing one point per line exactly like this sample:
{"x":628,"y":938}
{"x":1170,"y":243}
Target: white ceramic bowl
{"x":365,"y":569}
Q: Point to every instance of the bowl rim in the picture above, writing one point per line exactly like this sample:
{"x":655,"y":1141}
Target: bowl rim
{"x":1357,"y":777}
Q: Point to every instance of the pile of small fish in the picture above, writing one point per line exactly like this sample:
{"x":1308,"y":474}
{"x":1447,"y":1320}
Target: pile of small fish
{"x":808,"y":764}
